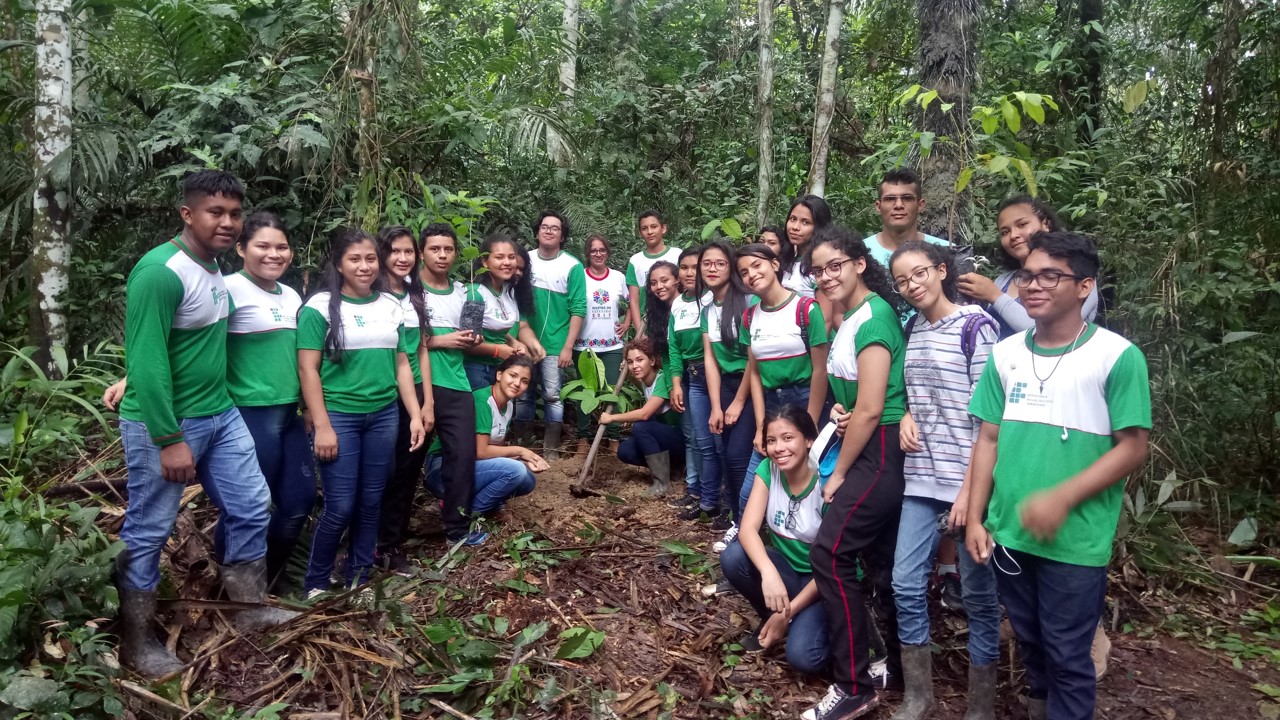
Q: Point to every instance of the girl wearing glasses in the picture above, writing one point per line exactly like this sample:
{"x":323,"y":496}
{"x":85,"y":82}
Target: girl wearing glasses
{"x":786,"y":337}
{"x":778,"y":580}
{"x":865,"y":489}
{"x":732,"y":415}
{"x":947,"y":348}
{"x":687,"y":369}
{"x":603,"y":329}
{"x":1018,"y":218}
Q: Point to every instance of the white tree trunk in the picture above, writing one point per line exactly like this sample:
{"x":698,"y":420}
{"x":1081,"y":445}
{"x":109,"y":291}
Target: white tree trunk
{"x":826,"y":106}
{"x":556,"y":146}
{"x":764,"y":104}
{"x":51,"y":205}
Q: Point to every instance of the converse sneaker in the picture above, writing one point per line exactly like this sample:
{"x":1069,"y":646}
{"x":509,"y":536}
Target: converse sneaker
{"x":729,"y":536}
{"x":397,"y":562}
{"x":721,"y":522}
{"x":839,"y":705}
{"x":952,"y":594}
{"x":684,"y":501}
{"x":883,"y":678}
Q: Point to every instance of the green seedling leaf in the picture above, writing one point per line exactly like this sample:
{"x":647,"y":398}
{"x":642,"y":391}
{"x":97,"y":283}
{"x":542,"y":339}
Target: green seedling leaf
{"x":578,"y":642}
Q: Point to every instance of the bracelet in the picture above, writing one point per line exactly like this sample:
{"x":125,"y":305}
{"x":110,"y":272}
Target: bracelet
{"x":496,"y":349}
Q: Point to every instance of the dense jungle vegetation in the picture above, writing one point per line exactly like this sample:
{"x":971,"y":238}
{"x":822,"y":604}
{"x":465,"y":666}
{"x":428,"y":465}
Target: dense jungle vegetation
{"x":1154,"y":127}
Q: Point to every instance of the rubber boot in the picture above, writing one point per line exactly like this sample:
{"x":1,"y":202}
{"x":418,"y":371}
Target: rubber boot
{"x":660,"y":470}
{"x":139,"y":648}
{"x":982,"y":692}
{"x":279,"y":551}
{"x":247,"y":583}
{"x":551,"y":441}
{"x":1036,"y":709}
{"x":917,"y":671}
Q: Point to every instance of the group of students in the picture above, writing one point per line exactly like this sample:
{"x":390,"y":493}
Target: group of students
{"x":995,"y":412}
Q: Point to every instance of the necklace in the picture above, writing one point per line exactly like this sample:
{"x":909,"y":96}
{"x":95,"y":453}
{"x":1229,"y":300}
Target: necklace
{"x":1045,"y":379}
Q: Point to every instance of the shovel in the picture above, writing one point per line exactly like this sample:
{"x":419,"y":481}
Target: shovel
{"x":579,"y":489}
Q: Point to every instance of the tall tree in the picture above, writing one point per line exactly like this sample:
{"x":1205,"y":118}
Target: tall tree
{"x":947,"y":61}
{"x":764,"y":106}
{"x":556,"y":146}
{"x":50,"y":220}
{"x":826,"y":106}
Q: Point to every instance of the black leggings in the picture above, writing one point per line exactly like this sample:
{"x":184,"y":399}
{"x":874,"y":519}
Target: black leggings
{"x":861,"y":523}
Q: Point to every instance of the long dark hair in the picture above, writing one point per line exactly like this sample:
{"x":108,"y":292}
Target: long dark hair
{"x":821,"y":213}
{"x":340,"y":240}
{"x":1041,"y":209}
{"x":689,"y":252}
{"x":656,"y":312}
{"x":522,"y":288}
{"x":937,"y":255}
{"x":413,"y":283}
{"x":735,"y":296}
{"x":849,"y":242}
{"x":762,"y":251}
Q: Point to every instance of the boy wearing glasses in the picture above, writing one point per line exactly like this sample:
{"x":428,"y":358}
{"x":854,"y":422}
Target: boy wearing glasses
{"x":899,"y":205}
{"x":559,"y":305}
{"x":1066,"y":414}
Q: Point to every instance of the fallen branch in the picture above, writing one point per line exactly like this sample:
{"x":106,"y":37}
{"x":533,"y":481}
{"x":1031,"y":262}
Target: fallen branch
{"x":447,"y":708}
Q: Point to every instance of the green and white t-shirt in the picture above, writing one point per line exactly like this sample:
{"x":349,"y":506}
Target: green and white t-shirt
{"x":489,"y":420}
{"x":559,"y":292}
{"x":262,"y":343}
{"x":799,"y":282}
{"x":881,"y":254}
{"x":599,"y":327}
{"x":780,"y":347}
{"x":412,"y":332}
{"x":640,"y":264}
{"x":661,"y":387}
{"x":1050,"y":432}
{"x":793,"y":519}
{"x":444,"y":313}
{"x":501,"y":314}
{"x":175,"y":341}
{"x":731,"y":356}
{"x":365,"y":379}
{"x":684,"y":331}
{"x":872,"y":322}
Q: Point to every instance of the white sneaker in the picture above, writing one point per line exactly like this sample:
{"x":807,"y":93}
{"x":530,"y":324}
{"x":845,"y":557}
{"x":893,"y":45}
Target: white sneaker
{"x":314,"y":593}
{"x":729,"y":536}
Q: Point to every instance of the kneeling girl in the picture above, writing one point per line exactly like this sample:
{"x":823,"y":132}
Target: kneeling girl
{"x":656,"y":434}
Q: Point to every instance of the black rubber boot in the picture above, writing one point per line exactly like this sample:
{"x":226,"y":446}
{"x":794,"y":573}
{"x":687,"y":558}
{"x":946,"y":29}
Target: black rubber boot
{"x":139,"y":648}
{"x":917,"y":671}
{"x":279,"y":551}
{"x":247,"y":583}
{"x":551,"y":441}
{"x":660,"y":470}
{"x":982,"y":692}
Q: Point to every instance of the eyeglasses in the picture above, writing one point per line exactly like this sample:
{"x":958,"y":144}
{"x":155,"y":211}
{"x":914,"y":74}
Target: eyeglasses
{"x":832,"y":268}
{"x":793,"y":508}
{"x":599,"y":251}
{"x":1046,"y":279}
{"x":714,"y":264}
{"x":549,"y":228}
{"x":917,"y":276}
{"x":895,"y":199}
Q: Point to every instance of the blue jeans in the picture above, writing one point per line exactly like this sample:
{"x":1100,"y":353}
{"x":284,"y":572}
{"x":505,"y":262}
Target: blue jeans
{"x":497,"y":480}
{"x":913,"y":559}
{"x":284,"y":454}
{"x":692,"y":460}
{"x":773,"y":399}
{"x":353,"y":484}
{"x":698,"y":410}
{"x":547,"y":378}
{"x":227,"y":469}
{"x":480,"y":375}
{"x":807,"y":634}
{"x":734,"y":442}
{"x":650,"y":437}
{"x":1054,"y":608}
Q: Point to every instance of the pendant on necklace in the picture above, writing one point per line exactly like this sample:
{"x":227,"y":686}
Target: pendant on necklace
{"x":1041,"y":388}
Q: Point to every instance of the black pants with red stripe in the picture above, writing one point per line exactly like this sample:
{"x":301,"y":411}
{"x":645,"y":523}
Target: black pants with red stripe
{"x":861,"y":524}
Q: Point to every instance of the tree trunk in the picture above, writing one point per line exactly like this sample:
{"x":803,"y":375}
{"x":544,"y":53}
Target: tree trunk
{"x":764,"y":105}
{"x":51,"y":205}
{"x":826,"y":106}
{"x":362,"y":66}
{"x":1218,"y":93}
{"x":947,"y":58}
{"x":556,"y":146}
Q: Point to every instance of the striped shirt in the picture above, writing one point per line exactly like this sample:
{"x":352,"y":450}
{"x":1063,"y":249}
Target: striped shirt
{"x":940,"y":383}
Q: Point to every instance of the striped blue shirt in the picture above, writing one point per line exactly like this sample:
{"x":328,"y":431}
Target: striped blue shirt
{"x":939,"y":384}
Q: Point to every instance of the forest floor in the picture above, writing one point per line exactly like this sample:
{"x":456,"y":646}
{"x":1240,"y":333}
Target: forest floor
{"x":508,"y":630}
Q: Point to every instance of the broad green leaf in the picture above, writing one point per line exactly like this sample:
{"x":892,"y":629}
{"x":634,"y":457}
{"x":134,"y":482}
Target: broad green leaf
{"x":1011,"y":117}
{"x":532,"y":633}
{"x":1042,"y":66}
{"x":709,"y":228}
{"x":732,"y":228}
{"x":990,"y":124}
{"x":27,"y":692}
{"x":1028,"y":175}
{"x":1237,"y":336}
{"x":578,"y":642}
{"x":1134,"y":95}
{"x":962,"y":181}
{"x":1246,"y":533}
{"x":1167,"y":486}
{"x":590,"y":404}
{"x":20,"y":427}
{"x":1183,"y":506}
{"x":926,"y":143}
{"x":998,"y":164}
{"x":1033,"y":108}
{"x":908,"y":94}
{"x":927,"y":98}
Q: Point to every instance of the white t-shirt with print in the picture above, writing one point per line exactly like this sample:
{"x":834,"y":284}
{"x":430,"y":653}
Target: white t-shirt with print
{"x":599,"y":327}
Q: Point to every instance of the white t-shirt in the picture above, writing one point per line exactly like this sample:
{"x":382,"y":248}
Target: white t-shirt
{"x":600,"y":325}
{"x":798,"y":282}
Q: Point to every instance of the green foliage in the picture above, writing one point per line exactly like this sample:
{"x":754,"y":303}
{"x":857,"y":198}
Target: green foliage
{"x":591,"y":390}
{"x":578,"y":642}
{"x":55,"y":571}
